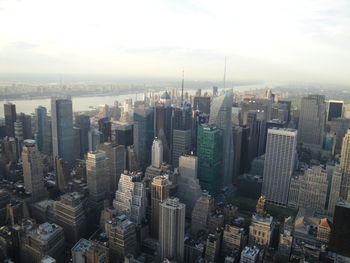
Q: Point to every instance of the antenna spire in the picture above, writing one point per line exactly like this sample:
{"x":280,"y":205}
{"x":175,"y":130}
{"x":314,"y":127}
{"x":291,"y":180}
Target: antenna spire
{"x":182,"y":87}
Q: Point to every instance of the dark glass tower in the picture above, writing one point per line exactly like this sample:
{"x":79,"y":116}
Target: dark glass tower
{"x":210,"y":159}
{"x":41,"y":116}
{"x":83,"y":122}
{"x":10,"y":118}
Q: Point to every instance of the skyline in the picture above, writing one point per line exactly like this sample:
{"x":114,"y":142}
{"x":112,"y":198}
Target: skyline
{"x":275,"y":41}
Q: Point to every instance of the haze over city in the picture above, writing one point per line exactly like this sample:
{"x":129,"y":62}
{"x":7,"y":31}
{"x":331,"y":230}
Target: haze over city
{"x":304,"y":41}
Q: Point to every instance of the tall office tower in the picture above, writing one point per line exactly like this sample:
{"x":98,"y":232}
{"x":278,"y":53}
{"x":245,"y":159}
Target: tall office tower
{"x":116,"y":162}
{"x":201,"y":212}
{"x":10,"y":150}
{"x":345,"y":166}
{"x":262,"y":225}
{"x":188,"y":188}
{"x":157,"y":153}
{"x":18,"y":135}
{"x":62,"y":129}
{"x":62,"y":169}
{"x":288,"y":105}
{"x":124,"y":135}
{"x":312,"y":120}
{"x":339,"y":126}
{"x":162,"y":119}
{"x":121,"y":234}
{"x":198,"y":118}
{"x":95,"y":138}
{"x":40,"y":129}
{"x":220,"y":115}
{"x":279,"y":164}
{"x":143,"y":134}
{"x":132,"y":163}
{"x":202,"y":104}
{"x":181,"y":133}
{"x":245,"y":165}
{"x":47,"y":145}
{"x":83,"y":122}
{"x":215,"y":91}
{"x":181,"y":145}
{"x":130,"y":198}
{"x":78,"y":152}
{"x":237,"y":146}
{"x":335,"y":109}
{"x":105,"y":126}
{"x":252,"y":123}
{"x":172,"y":229}
{"x":27,"y":125}
{"x":262,"y":107}
{"x":160,"y":190}
{"x":97,"y":174}
{"x":10,"y":118}
{"x":69,"y":214}
{"x":210,"y":158}
{"x":212,"y":248}
{"x":88,"y":251}
{"x":33,"y":170}
{"x":341,"y":229}
{"x":334,"y":192}
{"x":45,"y":239}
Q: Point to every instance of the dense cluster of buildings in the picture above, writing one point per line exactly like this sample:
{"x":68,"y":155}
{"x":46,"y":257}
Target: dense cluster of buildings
{"x":155,"y":180}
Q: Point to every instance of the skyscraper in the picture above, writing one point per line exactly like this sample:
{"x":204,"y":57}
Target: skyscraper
{"x":221,"y":116}
{"x":210,"y":158}
{"x":97,"y":178}
{"x":335,"y":109}
{"x":160,"y":190}
{"x":172,"y":229}
{"x":143,"y":134}
{"x":124,"y":135}
{"x":88,"y":251}
{"x":10,"y":118}
{"x":105,"y":126}
{"x":162,"y":122}
{"x":83,"y":122}
{"x":33,"y":170}
{"x":345,"y":167}
{"x":157,"y":153}
{"x":279,"y":164}
{"x":62,"y":129}
{"x":312,"y":120}
{"x":41,"y":116}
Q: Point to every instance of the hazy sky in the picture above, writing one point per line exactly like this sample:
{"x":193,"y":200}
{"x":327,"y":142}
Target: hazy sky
{"x":297,"y":40}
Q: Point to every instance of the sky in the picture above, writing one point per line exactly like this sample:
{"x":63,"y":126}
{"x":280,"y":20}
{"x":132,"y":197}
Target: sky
{"x":269,"y":40}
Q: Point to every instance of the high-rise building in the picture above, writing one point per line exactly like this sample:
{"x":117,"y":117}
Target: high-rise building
{"x":188,"y":187}
{"x":10,"y":118}
{"x":334,"y":192}
{"x":105,"y":126}
{"x":121,"y":233}
{"x":172,"y":229}
{"x":45,"y":239}
{"x":160,"y":190}
{"x":130,"y":198}
{"x":143,"y":134}
{"x":70,"y":215}
{"x":339,"y":126}
{"x":157,"y":153}
{"x":250,"y":255}
{"x":279,"y":164}
{"x":232,"y":239}
{"x":286,"y":239}
{"x":33,"y":173}
{"x":83,"y":122}
{"x":345,"y":167}
{"x":27,"y":125}
{"x":95,"y":138}
{"x":97,"y":174}
{"x":341,"y":229}
{"x":124,"y":134}
{"x":41,"y":117}
{"x":201,"y":104}
{"x":47,"y":146}
{"x":201,"y":212}
{"x":221,"y":116}
{"x":237,"y":146}
{"x":88,"y":251}
{"x":312,"y":120}
{"x":132,"y":163}
{"x":62,"y":129}
{"x":181,"y":145}
{"x":116,"y":162}
{"x":62,"y":169}
{"x":162,"y":119}
{"x":335,"y":109}
{"x":210,"y":158}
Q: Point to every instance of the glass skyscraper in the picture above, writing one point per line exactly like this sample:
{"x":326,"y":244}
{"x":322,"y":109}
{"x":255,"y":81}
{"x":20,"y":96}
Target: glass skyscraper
{"x":210,"y":158}
{"x":41,"y":117}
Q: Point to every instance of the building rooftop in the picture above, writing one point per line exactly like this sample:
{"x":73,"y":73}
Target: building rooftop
{"x":251,"y":251}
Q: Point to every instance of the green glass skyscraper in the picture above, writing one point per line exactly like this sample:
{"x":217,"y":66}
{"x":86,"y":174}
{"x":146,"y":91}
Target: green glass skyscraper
{"x":210,"y":159}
